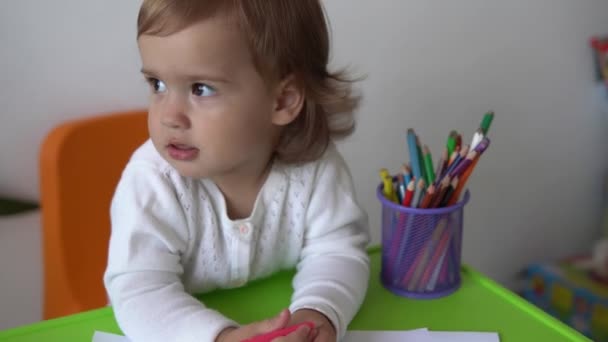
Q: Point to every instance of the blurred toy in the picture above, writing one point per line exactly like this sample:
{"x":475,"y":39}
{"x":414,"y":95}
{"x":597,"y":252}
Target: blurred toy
{"x":600,"y":252}
{"x":569,"y":290}
{"x":600,"y":47}
{"x":600,"y":260}
{"x":575,"y":289}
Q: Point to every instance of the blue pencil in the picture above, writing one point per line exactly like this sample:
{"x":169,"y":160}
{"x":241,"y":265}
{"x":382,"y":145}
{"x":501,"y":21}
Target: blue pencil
{"x":407,"y":174}
{"x":418,"y":194}
{"x":414,"y":158}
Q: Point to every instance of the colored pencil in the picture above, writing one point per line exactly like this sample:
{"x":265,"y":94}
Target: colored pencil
{"x":407,"y":173}
{"x":428,"y":164}
{"x":477,"y":137}
{"x":421,"y":159}
{"x":449,"y":192}
{"x":414,"y":158}
{"x":415,"y":270}
{"x":486,"y":122}
{"x":440,"y":193}
{"x":441,"y":249}
{"x":409,"y":193}
{"x":418,"y":193}
{"x":441,"y":167}
{"x":462,"y":166}
{"x":388,"y":185}
{"x":400,"y":188}
{"x":432,"y":282}
{"x":451,"y":143}
{"x":430,"y":192}
{"x":481,"y":147}
{"x":463,"y":180}
{"x":453,"y":157}
{"x":461,"y":155}
{"x":464,"y":175}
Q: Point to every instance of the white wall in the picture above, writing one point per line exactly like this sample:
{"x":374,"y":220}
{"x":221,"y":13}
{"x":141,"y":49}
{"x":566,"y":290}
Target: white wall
{"x":431,"y":65}
{"x":439,"y":65}
{"x":20,"y":270}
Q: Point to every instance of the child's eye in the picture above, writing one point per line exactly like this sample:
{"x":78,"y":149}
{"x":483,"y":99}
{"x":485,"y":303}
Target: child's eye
{"x":201,"y":89}
{"x":157,"y":85}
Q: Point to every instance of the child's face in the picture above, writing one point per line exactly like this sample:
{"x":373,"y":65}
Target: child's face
{"x":210,"y":110}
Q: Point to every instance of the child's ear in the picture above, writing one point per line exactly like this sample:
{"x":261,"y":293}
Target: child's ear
{"x":289,"y":101}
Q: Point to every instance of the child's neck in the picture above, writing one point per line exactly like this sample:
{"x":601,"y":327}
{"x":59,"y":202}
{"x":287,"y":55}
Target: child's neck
{"x":240,"y":189}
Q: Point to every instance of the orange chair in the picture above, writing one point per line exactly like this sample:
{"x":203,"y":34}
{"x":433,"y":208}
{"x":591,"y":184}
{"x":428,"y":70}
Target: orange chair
{"x":80,"y":164}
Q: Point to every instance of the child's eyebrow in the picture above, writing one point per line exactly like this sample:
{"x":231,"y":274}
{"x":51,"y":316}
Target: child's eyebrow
{"x":193,"y":77}
{"x":147,"y":72}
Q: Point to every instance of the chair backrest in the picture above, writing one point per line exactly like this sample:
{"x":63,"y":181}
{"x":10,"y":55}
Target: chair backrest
{"x":80,"y":164}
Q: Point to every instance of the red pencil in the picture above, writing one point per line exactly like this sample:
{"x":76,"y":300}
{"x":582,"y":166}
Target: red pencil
{"x":430,"y":192}
{"x":409,"y":193}
{"x":445,"y":183}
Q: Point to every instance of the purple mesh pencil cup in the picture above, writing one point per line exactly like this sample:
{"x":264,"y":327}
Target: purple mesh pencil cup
{"x":421,"y":248}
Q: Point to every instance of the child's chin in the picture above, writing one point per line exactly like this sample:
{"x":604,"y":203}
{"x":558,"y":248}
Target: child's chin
{"x":189,"y":170}
{"x":189,"y":173}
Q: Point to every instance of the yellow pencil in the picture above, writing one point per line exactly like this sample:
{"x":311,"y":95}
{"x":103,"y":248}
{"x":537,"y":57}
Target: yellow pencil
{"x":388,"y":190}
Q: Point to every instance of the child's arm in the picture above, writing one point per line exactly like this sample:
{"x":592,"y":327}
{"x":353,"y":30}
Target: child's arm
{"x":333,"y":271}
{"x":149,"y":236}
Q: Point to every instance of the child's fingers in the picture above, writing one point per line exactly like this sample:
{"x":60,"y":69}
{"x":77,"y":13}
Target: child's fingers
{"x":302,"y":334}
{"x":278,"y":322}
{"x":314,"y":333}
{"x":324,"y":336}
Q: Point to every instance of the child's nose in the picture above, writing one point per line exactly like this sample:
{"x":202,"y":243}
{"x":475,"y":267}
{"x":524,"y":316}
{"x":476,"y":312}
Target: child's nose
{"x":174,"y":115}
{"x":176,"y":120}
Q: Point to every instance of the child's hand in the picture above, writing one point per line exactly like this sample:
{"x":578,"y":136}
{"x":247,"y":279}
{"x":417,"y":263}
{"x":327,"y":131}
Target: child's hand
{"x":324,"y":330}
{"x":263,"y":327}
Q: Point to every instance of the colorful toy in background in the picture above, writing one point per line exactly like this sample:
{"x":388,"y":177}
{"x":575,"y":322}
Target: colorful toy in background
{"x":600,"y":260}
{"x":600,"y":47}
{"x":600,"y":251}
{"x":569,"y":291}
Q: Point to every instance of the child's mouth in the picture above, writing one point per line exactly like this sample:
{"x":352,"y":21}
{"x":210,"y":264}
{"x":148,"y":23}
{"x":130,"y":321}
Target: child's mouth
{"x":182,"y":152}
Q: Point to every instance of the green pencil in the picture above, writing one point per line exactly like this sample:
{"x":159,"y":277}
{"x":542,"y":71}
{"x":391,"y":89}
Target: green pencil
{"x":421,"y":162}
{"x":487,"y":122}
{"x":451,"y":144}
{"x":428,"y":165}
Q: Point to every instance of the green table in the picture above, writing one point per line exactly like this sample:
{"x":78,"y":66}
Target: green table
{"x":479,"y":305}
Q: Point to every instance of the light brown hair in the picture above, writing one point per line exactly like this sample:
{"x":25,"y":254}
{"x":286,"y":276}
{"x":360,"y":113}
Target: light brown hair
{"x":285,"y":37}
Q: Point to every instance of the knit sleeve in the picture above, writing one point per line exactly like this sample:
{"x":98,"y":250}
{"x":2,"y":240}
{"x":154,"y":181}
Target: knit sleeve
{"x":333,"y":271}
{"x":149,"y":236}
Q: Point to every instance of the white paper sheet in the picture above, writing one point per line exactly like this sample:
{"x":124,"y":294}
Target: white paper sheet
{"x":105,"y":337}
{"x":462,"y":336}
{"x":418,"y":335}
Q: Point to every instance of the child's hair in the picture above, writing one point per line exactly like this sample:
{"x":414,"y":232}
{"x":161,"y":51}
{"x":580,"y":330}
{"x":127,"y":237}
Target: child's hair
{"x":285,"y":37}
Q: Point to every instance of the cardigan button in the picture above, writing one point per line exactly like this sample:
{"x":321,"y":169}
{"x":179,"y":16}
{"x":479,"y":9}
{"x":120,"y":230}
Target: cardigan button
{"x":244,"y":230}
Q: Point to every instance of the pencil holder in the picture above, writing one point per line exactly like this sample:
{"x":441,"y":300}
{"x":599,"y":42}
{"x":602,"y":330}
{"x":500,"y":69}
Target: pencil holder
{"x":421,"y":248}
